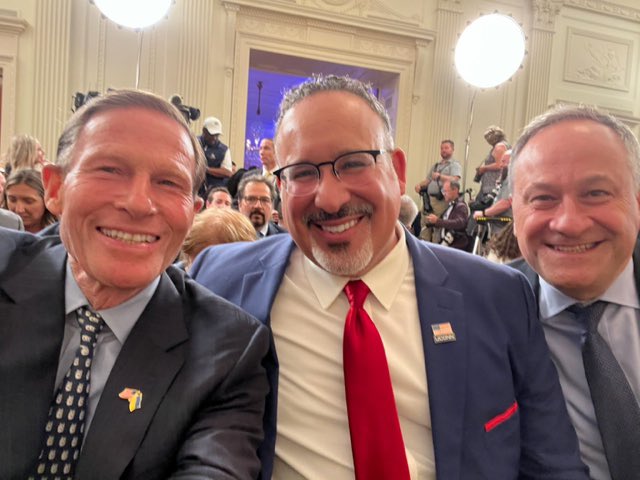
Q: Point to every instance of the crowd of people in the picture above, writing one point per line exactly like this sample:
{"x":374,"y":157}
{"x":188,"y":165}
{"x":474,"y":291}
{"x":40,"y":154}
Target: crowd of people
{"x":164,"y":316}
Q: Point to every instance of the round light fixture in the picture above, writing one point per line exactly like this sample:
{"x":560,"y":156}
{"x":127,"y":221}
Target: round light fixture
{"x":490,"y":50}
{"x":134,"y":13}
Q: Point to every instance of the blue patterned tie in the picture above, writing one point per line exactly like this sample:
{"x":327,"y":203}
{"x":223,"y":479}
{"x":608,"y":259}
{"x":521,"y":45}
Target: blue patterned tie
{"x":614,"y":402}
{"x":64,"y":429}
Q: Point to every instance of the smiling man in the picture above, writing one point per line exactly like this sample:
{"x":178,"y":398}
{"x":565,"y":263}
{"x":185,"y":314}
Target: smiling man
{"x":392,"y":358}
{"x":114,"y":364}
{"x":575,"y":174}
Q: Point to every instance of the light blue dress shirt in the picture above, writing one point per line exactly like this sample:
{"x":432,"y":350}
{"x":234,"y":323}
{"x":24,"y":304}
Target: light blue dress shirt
{"x":118,"y":320}
{"x":620,"y":328}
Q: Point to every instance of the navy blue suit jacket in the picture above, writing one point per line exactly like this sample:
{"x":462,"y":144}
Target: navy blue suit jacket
{"x":499,"y":358}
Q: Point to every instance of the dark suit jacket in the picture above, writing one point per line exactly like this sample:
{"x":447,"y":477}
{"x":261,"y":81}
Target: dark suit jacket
{"x":457,"y":224}
{"x":274,"y":229}
{"x":499,"y":357}
{"x":195,"y":357}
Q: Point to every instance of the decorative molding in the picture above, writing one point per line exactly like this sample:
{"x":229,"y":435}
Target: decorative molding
{"x":453,"y":6}
{"x":545,"y":13}
{"x":303,"y":15}
{"x":606,"y":8}
{"x":598,"y":60}
{"x":12,"y":25}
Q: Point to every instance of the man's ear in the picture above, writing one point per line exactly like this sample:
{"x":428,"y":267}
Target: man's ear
{"x":53,"y":178}
{"x":399,"y":160}
{"x":197,"y":204}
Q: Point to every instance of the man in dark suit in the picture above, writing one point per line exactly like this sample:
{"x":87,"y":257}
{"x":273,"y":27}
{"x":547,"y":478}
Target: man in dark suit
{"x":462,"y":387}
{"x":451,"y":228}
{"x":576,"y":195}
{"x":256,"y":194}
{"x":102,"y":346}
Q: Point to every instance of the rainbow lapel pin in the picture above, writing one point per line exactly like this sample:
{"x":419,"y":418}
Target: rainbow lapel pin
{"x":134,"y":396}
{"x":443,"y":333}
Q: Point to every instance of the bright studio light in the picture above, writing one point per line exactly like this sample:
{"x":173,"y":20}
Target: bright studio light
{"x":490,"y":50}
{"x":134,"y":13}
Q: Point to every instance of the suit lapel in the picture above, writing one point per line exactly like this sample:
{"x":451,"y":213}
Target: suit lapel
{"x":446,"y":363}
{"x":149,"y":360}
{"x":259,"y":288}
{"x":31,"y":331}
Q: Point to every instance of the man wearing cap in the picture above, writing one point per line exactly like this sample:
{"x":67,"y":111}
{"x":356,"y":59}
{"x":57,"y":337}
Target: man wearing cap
{"x":217,"y":153}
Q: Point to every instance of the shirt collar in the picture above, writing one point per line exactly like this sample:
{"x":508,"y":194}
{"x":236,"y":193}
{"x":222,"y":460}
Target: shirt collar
{"x":264,"y":230}
{"x":121,"y":318}
{"x":621,"y":292}
{"x":384,"y":280}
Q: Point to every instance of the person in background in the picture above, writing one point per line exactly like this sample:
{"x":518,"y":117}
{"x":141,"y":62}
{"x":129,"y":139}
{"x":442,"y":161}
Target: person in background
{"x":26,"y":197}
{"x":392,"y":358}
{"x":24,"y":152}
{"x":575,"y":176}
{"x":451,"y":228}
{"x":489,"y":174}
{"x":214,"y":226}
{"x":218,"y":197}
{"x":255,"y":201}
{"x":408,"y":211}
{"x":447,"y":169}
{"x":115,"y":364}
{"x":218,"y":155}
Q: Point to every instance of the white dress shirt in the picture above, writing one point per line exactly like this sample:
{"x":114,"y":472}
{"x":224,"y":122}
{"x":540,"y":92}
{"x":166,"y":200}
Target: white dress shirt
{"x":307,"y":319}
{"x":620,"y":328}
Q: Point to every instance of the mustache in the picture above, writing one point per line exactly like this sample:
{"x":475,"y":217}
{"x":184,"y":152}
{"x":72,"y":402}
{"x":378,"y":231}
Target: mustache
{"x":345,"y":211}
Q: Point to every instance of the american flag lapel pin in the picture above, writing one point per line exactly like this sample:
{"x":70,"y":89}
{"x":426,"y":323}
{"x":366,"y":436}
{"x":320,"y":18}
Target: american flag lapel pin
{"x":134,"y":396}
{"x":443,"y":333}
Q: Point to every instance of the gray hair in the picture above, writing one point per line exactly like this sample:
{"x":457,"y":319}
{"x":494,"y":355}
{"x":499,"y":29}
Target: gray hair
{"x":251,"y":177}
{"x":566,"y":113}
{"x":333,"y":83}
{"x":408,"y":210}
{"x":120,"y":99}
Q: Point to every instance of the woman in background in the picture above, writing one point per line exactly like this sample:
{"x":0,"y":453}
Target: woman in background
{"x":24,"y":195}
{"x":212,"y":227}
{"x":24,"y":152}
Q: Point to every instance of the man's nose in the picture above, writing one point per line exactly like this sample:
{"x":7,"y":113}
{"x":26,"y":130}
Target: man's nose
{"x":331,"y":194}
{"x":570,"y":218}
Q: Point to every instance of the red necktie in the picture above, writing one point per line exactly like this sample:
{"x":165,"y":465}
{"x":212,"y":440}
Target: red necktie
{"x":376,"y":438}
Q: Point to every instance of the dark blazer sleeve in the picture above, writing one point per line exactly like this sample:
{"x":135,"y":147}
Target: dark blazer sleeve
{"x":457,"y":219}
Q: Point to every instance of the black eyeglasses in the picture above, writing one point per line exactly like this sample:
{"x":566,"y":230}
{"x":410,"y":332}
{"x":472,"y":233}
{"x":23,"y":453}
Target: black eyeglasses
{"x":351,"y":168}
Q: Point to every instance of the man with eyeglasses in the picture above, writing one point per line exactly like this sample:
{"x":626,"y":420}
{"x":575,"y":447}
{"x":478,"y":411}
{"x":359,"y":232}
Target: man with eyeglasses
{"x":392,"y":358}
{"x":255,"y":201}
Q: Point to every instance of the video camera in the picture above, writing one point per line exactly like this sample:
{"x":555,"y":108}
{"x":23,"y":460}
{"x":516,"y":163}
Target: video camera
{"x":190,"y":113}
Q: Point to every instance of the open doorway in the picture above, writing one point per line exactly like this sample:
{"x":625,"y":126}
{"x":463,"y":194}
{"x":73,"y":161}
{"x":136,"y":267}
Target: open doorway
{"x":271,"y":74}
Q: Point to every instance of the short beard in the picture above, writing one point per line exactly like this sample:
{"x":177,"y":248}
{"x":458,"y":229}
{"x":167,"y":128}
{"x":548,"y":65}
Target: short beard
{"x":340,"y":259}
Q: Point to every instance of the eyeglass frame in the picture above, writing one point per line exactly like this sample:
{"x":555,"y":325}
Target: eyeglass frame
{"x":373,"y":153}
{"x":257,"y":200}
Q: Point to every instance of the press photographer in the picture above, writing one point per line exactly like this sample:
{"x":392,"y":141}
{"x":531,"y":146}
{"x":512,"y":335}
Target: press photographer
{"x":430,"y":189}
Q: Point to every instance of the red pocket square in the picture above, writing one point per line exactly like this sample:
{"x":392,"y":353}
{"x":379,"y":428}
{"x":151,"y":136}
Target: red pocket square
{"x":501,"y":418}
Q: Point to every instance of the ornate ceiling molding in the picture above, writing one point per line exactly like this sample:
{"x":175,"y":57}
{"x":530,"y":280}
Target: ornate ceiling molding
{"x":607,"y":8}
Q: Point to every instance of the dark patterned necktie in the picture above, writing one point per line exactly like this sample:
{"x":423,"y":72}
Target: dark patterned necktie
{"x":614,"y":402}
{"x":376,"y":438}
{"x":64,"y":429}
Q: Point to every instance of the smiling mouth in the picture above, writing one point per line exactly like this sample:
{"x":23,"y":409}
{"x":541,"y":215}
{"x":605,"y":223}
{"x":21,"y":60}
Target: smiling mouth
{"x":343,"y":227}
{"x":132,"y":238}
{"x":585,"y":247}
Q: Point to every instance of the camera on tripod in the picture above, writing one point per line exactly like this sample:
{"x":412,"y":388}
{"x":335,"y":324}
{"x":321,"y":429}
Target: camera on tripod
{"x":190,"y":113}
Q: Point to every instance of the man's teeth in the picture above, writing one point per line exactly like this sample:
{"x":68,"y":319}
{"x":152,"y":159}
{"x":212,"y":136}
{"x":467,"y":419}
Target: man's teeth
{"x":339,"y":228}
{"x":129,"y":237}
{"x":574,"y":248}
